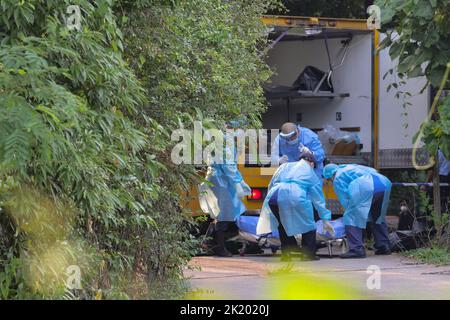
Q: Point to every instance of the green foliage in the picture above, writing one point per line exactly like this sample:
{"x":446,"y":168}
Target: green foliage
{"x":200,"y":55}
{"x":437,"y":132}
{"x":69,"y":143}
{"x":433,"y":255}
{"x":423,"y":38}
{"x":85,"y":121}
{"x":199,"y":59}
{"x":324,"y":8}
{"x":418,"y":36}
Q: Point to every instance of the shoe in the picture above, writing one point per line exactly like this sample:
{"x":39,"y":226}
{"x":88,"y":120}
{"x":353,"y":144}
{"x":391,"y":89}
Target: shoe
{"x":220,"y":249}
{"x":222,"y":252}
{"x":352,"y":255}
{"x":383,"y":252}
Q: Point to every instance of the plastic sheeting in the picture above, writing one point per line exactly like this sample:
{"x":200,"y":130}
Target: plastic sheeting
{"x":339,"y":230}
{"x":248,"y":224}
{"x":330,"y":136}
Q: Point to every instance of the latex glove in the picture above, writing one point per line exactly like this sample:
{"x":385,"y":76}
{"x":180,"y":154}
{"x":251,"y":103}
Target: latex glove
{"x":239,"y":190}
{"x":242,"y":189}
{"x":327,"y":227}
{"x":246,"y":188}
{"x":303,"y":148}
{"x":283,"y":159}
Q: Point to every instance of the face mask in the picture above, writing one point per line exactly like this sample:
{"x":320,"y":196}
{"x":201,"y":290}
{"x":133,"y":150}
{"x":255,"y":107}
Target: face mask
{"x":293,"y":142}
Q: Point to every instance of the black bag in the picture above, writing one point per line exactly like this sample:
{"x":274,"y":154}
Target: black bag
{"x":402,"y":241}
{"x":310,"y":78}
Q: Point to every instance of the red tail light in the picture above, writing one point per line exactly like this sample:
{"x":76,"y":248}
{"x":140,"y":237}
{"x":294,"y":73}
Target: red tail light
{"x":256,"y":194}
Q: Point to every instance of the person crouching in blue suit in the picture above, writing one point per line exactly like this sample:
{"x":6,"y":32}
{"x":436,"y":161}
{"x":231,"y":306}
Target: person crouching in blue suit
{"x":364,"y":194}
{"x":293,"y":191}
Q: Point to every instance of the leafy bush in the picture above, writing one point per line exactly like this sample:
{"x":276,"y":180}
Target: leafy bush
{"x":433,"y":255}
{"x":417,"y":35}
{"x":200,"y":55}
{"x":324,"y":8}
{"x":85,"y":116}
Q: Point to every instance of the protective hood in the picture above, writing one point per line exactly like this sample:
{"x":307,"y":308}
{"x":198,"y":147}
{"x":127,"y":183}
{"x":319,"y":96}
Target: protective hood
{"x":329,"y":170}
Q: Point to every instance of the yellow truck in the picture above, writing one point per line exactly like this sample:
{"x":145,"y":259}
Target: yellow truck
{"x":359,"y":103}
{"x":346,"y":50}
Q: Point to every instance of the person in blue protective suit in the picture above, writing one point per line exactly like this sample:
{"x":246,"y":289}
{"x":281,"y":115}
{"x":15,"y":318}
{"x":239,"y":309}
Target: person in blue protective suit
{"x":364,"y":194}
{"x":221,"y":198}
{"x":288,"y":206}
{"x":444,"y":177}
{"x":444,"y":166}
{"x":292,"y":141}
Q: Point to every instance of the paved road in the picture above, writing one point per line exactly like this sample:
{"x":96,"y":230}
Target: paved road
{"x":265,"y":277}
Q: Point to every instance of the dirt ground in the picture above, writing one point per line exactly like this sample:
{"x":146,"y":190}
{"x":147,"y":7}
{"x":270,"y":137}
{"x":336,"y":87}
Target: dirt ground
{"x":266,"y":277}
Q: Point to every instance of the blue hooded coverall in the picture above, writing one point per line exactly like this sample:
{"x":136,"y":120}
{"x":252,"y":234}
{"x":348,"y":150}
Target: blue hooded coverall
{"x":308,"y":139}
{"x":295,"y":188}
{"x":224,"y":204}
{"x":364,"y":194}
{"x":220,"y":196}
{"x":444,"y":177}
